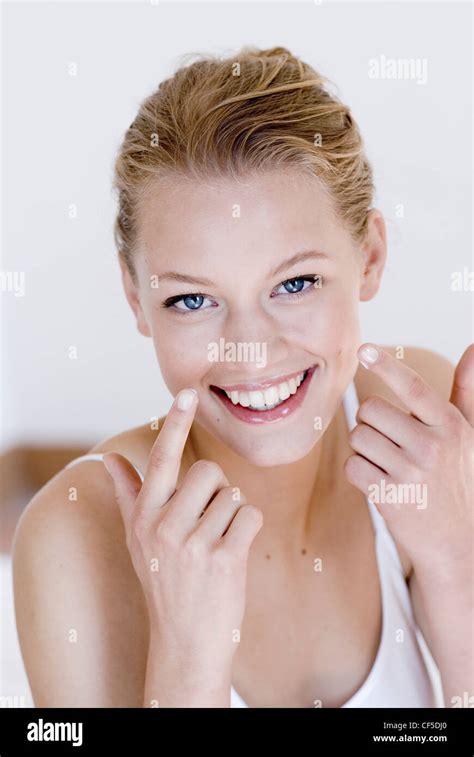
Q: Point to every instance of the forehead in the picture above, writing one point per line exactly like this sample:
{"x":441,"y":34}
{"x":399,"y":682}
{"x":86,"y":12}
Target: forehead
{"x":278,"y":211}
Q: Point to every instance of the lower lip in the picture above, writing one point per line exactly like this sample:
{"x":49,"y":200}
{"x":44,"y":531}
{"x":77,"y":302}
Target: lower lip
{"x":279,"y":413}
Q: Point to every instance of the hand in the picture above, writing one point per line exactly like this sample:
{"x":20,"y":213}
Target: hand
{"x":189,"y":546}
{"x":417,"y":468}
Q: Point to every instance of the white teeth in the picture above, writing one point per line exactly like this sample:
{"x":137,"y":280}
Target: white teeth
{"x":244,"y":399}
{"x":256,"y":399}
{"x":271,"y":396}
{"x":284,"y":391}
{"x":268,"y":398}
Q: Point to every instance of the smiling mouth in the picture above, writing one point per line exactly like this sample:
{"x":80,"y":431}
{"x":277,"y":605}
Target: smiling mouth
{"x":268,"y":398}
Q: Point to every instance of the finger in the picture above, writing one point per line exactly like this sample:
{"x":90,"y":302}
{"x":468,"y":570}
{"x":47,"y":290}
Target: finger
{"x":363,"y":474}
{"x":419,"y":397}
{"x":219,"y":514}
{"x":164,"y":462}
{"x":245,"y":525}
{"x":202,"y":481}
{"x":395,"y":424}
{"x":375,"y":447}
{"x":127,"y":483}
{"x":462,"y":394}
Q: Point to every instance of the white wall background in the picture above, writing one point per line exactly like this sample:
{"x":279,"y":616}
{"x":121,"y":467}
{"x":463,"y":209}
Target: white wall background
{"x":60,"y":135}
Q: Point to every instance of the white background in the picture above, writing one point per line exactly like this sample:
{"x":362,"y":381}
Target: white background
{"x":61,"y":133}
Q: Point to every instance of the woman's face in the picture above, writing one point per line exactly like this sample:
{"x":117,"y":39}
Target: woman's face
{"x":245,"y":285}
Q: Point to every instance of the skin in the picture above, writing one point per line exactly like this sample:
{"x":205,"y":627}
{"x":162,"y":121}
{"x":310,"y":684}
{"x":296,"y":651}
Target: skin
{"x":243,"y":566}
{"x":431,"y":445}
{"x":321,"y":326}
{"x":286,"y":216}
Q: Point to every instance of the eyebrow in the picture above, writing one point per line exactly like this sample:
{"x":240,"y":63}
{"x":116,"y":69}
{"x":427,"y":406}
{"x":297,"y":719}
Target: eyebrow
{"x":300,"y":257}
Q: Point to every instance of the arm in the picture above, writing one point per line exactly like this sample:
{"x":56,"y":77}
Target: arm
{"x":189,"y":546}
{"x":443,"y":598}
{"x":199,"y":685}
{"x":80,"y":614}
{"x":433,"y":446}
{"x":443,"y":605}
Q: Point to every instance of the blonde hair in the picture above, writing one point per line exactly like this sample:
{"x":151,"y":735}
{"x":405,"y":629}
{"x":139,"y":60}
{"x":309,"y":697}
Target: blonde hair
{"x":256,"y":111}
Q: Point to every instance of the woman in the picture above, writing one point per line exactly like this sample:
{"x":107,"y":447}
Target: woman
{"x":295,"y":520}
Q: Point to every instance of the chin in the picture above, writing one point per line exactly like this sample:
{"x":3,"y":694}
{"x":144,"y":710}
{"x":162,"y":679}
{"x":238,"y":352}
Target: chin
{"x":269,"y":453}
{"x":268,"y":460}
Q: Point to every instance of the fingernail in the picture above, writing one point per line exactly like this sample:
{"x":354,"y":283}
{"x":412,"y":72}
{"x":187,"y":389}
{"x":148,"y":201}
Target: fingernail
{"x":368,"y":356}
{"x":185,"y":399}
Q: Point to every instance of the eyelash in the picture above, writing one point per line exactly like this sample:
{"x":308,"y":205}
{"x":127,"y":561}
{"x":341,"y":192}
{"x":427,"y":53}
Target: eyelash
{"x":313,"y":278}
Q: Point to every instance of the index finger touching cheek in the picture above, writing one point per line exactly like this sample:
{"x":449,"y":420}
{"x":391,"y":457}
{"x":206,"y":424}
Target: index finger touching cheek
{"x":165,"y":457}
{"x":421,"y":399}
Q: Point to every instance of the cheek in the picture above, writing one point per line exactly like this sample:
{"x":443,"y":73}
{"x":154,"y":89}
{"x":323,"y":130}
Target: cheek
{"x":329,"y":324}
{"x":182,"y":358}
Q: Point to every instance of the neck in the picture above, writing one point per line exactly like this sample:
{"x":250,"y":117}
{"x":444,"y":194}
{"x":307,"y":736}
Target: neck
{"x":294,"y":498}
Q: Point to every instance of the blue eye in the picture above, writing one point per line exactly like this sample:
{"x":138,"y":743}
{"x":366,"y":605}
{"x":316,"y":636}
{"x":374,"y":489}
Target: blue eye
{"x":193,"y":301}
{"x":187,"y":302}
{"x":295,"y":287}
{"x":299,"y":284}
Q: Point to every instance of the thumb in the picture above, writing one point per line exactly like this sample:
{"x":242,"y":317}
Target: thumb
{"x":462,"y":393}
{"x":127,"y":482}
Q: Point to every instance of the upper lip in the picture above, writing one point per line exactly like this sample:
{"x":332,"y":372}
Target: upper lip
{"x":258,"y":386}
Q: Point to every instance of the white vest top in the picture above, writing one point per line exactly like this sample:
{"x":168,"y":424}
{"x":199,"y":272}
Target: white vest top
{"x":404,"y":673}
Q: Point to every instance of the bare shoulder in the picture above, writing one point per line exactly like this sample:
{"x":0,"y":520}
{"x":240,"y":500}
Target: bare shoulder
{"x":434,"y":368}
{"x":80,"y":611}
{"x":134,"y":443}
{"x":84,"y":490}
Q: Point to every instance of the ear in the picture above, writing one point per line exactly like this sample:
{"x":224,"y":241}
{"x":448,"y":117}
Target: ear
{"x":131,"y":291}
{"x":374,"y":250}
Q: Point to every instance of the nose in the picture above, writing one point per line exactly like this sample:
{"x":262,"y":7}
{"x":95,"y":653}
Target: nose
{"x":256,"y":339}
